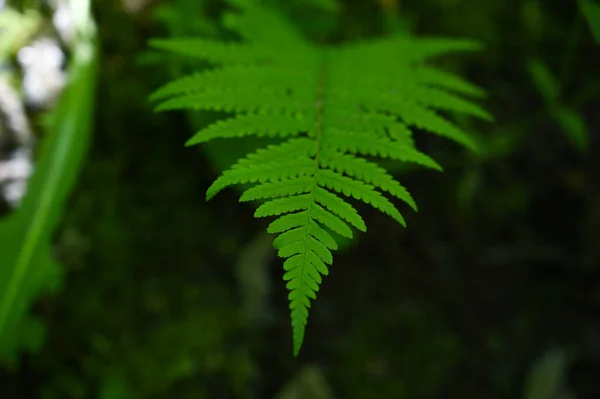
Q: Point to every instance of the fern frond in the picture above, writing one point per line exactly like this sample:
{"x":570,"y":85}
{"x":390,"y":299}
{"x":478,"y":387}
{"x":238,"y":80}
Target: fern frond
{"x":433,"y":77}
{"x":215,"y":52}
{"x":334,"y":108}
{"x":269,"y":124}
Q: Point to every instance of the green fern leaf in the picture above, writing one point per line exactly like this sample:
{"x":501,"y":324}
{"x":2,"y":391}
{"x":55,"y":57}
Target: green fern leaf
{"x":333,"y":108}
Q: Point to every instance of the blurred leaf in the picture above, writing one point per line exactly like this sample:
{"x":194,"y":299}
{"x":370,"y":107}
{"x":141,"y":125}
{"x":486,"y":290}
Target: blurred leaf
{"x":308,"y":383}
{"x":114,"y":387}
{"x":16,"y":29}
{"x":591,"y":12}
{"x":502,"y":142}
{"x":574,"y":125}
{"x":533,"y":17}
{"x":468,"y":187}
{"x":547,"y":375}
{"x":544,"y":81}
{"x":252,"y":273}
{"x":175,"y":17}
{"x":26,"y":265}
{"x":571,"y":122}
{"x":327,"y":5}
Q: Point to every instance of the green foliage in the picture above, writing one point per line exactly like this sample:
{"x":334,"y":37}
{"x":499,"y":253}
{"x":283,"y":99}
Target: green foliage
{"x":308,"y":383}
{"x":546,"y":379}
{"x":27,"y":268}
{"x":332,"y":109}
{"x":569,"y":119}
{"x":591,"y":12}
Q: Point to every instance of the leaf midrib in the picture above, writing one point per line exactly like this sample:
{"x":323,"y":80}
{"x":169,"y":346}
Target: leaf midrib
{"x":319,"y":105}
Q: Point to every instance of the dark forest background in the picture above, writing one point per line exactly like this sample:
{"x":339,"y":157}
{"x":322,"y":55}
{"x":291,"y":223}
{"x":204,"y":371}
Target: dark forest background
{"x":492,"y":292}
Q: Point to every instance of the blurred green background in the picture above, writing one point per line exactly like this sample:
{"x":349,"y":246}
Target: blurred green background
{"x":492,"y":292}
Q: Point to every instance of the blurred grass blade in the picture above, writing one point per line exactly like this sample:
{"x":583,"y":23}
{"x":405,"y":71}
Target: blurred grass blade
{"x":26,"y":265}
{"x":546,"y":379}
{"x":591,"y":12}
{"x":544,"y":81}
{"x":570,"y":120}
{"x":575,"y":128}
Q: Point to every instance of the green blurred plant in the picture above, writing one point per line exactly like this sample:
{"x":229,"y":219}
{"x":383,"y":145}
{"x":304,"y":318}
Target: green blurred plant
{"x":308,"y":383}
{"x":591,"y":11}
{"x":27,"y":266}
{"x":570,"y":120}
{"x":546,"y":379}
{"x":16,"y":29}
